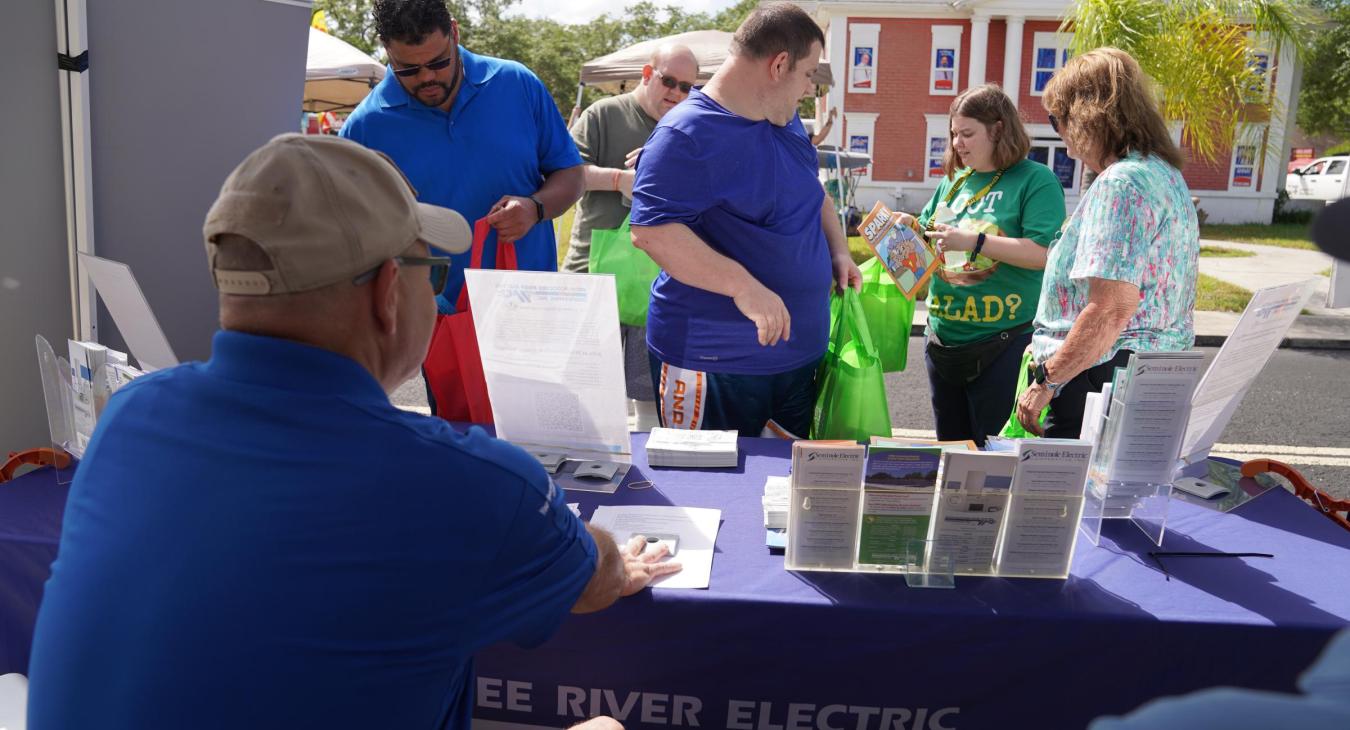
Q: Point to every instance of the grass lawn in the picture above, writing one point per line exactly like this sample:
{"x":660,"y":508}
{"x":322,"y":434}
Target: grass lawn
{"x":562,"y":226}
{"x":1284,"y":235}
{"x":1224,"y":253}
{"x":1214,"y":295}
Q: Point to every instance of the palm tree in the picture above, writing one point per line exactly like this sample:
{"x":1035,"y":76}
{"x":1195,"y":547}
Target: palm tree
{"x":1202,"y":54}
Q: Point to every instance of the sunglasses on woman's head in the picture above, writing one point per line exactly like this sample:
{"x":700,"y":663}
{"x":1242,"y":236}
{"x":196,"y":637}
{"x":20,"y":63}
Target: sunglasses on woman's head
{"x":670,"y":83}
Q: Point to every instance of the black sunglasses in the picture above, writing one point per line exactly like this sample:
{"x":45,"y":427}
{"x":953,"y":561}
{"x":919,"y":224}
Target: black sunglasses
{"x":1054,"y":124}
{"x":440,"y":270}
{"x":436,"y":65}
{"x":670,"y":83}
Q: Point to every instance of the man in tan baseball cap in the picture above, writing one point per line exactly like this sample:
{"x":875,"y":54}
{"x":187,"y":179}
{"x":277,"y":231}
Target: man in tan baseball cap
{"x":268,"y":525}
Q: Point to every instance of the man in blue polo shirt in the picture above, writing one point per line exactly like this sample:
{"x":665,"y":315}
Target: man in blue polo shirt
{"x":442,"y":111}
{"x":265,"y":541}
{"x":728,"y":202}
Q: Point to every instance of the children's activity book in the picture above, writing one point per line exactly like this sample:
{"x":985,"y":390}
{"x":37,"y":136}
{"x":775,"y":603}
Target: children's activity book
{"x":902,"y":250}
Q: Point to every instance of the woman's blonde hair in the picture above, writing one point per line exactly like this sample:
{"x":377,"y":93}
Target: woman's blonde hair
{"x":988,"y":105}
{"x":1105,"y":106}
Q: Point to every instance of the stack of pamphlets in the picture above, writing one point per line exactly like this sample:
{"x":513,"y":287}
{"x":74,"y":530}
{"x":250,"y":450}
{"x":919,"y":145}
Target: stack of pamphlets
{"x":776,"y":497}
{"x":684,"y":448}
{"x":903,"y":250}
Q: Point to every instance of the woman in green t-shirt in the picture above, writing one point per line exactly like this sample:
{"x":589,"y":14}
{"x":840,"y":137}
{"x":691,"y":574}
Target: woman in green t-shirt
{"x":993,"y":215}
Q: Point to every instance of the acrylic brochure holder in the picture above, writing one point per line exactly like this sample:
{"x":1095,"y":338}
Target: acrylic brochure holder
{"x":59,"y":397}
{"x":1137,"y":449}
{"x":967,"y":519}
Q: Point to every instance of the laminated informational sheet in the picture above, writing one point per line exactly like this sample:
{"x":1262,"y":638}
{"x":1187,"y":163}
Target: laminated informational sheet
{"x":553,"y":360}
{"x":1244,"y":354}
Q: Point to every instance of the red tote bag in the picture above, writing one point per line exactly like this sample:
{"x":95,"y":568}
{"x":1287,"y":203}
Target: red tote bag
{"x":453,"y":367}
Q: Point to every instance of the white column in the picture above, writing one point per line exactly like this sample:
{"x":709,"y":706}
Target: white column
{"x":837,"y":39}
{"x":1276,"y":153}
{"x":1012,"y":57}
{"x":979,"y":49}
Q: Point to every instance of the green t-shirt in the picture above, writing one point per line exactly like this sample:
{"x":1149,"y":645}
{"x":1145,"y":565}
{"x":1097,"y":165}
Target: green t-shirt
{"x":965,"y":305}
{"x":604,"y":134}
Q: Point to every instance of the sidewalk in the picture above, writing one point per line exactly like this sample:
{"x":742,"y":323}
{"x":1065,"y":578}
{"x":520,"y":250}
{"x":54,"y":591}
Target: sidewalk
{"x":1321,"y":328}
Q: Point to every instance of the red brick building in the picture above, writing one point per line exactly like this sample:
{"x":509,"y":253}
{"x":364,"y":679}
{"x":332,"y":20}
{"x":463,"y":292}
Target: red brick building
{"x":899,"y":64}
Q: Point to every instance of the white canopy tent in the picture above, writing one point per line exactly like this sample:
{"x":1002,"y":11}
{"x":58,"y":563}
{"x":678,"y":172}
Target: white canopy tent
{"x":621,"y":70}
{"x":337,"y":75}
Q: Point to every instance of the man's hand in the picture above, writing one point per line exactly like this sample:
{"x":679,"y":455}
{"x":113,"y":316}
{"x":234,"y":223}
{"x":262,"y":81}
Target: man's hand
{"x":760,"y":305}
{"x":630,"y":161}
{"x":643,"y":566}
{"x":1029,"y":406}
{"x":846,"y":273}
{"x":513,"y":217}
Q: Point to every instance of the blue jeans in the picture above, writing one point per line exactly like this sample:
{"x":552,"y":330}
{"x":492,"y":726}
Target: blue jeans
{"x":694,"y":399}
{"x":980,"y":407}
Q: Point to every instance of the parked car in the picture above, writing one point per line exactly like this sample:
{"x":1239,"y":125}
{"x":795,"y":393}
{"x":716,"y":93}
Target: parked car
{"x":1322,"y":179}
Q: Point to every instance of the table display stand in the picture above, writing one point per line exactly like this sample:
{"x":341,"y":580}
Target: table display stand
{"x":825,"y":525}
{"x":59,"y":397}
{"x":1138,"y":445}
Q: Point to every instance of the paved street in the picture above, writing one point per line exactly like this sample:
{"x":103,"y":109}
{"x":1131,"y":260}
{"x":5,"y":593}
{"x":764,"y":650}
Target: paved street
{"x":1298,"y":412}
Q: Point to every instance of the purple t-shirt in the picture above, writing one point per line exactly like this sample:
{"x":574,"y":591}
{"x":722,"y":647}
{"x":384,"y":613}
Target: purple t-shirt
{"x":750,"y":191}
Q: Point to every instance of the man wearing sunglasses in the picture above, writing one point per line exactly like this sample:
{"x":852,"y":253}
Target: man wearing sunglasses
{"x":442,"y":111}
{"x":609,"y":134}
{"x":263,"y":539}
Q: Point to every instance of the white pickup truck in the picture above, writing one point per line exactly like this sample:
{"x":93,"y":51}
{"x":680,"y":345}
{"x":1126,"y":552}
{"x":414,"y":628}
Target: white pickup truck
{"x":1322,"y":179}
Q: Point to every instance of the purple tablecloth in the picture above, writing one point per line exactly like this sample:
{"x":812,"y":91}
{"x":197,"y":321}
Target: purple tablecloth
{"x":766,"y":649}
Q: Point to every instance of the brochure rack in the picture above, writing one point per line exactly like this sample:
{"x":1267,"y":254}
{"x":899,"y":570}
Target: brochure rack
{"x":969,"y":514}
{"x":1136,"y":454}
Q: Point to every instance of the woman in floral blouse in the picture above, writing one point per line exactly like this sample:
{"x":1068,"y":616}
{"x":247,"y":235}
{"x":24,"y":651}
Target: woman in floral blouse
{"x":1121,"y":277}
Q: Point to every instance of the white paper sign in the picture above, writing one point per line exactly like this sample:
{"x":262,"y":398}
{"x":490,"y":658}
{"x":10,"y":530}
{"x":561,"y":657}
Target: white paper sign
{"x":1244,"y":354}
{"x":552,"y":359}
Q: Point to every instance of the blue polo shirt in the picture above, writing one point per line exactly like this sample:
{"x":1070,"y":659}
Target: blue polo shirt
{"x":263,"y":540}
{"x":750,"y":190}
{"x":502,"y":136}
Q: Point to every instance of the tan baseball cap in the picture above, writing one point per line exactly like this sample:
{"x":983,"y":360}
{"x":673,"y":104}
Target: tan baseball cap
{"x":323,"y":209}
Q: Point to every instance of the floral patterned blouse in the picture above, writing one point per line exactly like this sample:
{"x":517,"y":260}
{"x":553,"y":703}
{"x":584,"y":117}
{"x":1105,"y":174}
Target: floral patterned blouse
{"x":1136,"y":224}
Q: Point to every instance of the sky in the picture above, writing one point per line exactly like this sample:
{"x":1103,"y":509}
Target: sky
{"x":582,"y":11}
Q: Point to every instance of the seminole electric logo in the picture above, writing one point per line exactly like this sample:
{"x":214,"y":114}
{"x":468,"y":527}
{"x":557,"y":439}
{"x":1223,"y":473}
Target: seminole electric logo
{"x":1034,"y":454}
{"x":831,"y":456}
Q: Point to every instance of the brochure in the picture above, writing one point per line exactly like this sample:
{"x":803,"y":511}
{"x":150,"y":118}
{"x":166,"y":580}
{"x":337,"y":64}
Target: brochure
{"x":902,"y":250}
{"x":972,"y":503}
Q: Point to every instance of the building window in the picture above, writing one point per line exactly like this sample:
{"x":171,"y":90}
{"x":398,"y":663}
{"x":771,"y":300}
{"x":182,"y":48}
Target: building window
{"x":935,"y":147}
{"x":1055,"y":155}
{"x":945,"y":60}
{"x":864,"y":38}
{"x":1245,"y":168}
{"x":1050,"y":51}
{"x":1259,"y":63}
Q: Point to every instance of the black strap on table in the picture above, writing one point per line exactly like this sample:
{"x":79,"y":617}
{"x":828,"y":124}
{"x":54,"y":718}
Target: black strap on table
{"x":78,"y":64}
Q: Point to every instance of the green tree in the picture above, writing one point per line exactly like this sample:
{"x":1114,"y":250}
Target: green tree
{"x":1324,"y":102}
{"x":1200,"y":53}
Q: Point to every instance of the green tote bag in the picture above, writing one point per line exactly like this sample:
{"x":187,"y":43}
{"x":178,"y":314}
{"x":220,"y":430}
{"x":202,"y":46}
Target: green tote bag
{"x":613,"y":252}
{"x":889,"y":314}
{"x":851,"y":397}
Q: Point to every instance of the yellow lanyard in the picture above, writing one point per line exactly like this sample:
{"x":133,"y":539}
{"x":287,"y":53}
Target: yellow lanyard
{"x":977,"y":197}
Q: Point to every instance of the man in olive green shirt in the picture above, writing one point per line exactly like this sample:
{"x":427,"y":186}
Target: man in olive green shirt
{"x":609,"y":134}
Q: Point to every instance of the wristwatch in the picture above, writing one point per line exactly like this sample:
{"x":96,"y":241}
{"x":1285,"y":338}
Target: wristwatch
{"x":538,"y":208}
{"x":1042,"y":377}
{"x":979,"y":246}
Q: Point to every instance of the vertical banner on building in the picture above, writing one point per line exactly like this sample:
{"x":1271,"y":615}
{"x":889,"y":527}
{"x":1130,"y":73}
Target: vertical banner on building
{"x":937,"y":151}
{"x":864,"y":39}
{"x":860,"y":133}
{"x":945,"y":60}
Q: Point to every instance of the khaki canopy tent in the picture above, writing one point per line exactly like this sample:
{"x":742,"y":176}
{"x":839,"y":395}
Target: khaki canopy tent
{"x":621,"y":70}
{"x":337,"y":75}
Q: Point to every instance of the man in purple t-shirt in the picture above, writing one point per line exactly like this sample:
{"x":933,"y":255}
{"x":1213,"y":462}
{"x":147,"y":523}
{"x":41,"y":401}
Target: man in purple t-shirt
{"x":728,"y":202}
